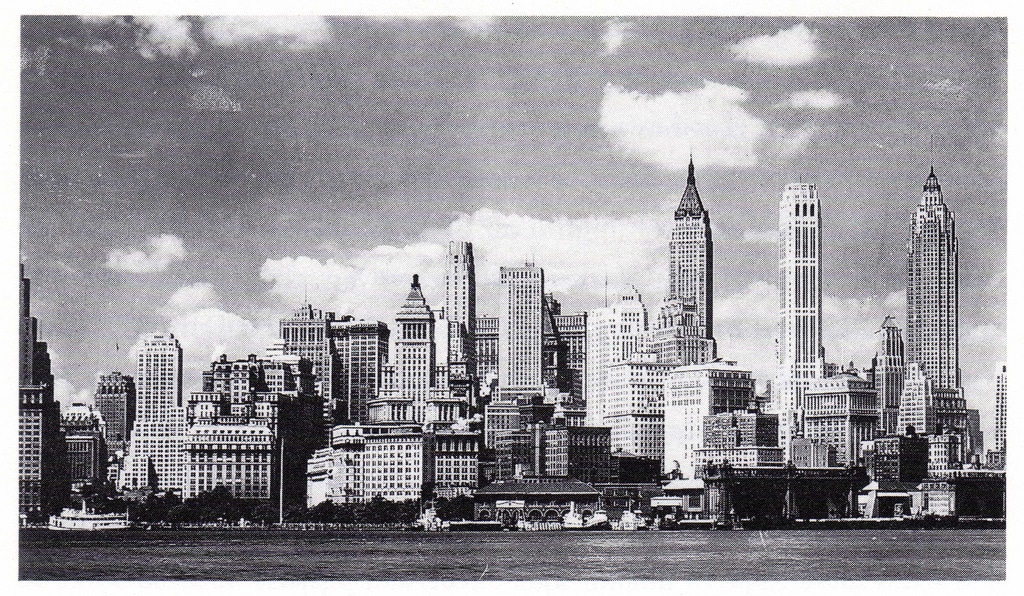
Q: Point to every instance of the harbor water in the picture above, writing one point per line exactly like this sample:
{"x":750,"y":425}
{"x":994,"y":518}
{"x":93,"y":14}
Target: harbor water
{"x":955,"y":554}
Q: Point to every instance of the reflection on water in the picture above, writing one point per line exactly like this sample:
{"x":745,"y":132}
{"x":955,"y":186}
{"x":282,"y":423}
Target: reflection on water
{"x":682,"y":555}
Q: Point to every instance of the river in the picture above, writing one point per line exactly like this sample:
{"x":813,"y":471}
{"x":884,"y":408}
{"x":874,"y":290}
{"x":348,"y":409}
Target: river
{"x":664,"y":555}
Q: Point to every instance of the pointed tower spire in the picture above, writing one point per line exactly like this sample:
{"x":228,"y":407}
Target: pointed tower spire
{"x":689,"y":204}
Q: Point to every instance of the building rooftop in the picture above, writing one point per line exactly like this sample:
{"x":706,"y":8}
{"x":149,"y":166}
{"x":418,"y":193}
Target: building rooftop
{"x":546,"y":487}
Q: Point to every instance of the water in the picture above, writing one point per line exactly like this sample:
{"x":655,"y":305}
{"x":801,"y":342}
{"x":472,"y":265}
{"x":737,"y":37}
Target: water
{"x":681,"y":555}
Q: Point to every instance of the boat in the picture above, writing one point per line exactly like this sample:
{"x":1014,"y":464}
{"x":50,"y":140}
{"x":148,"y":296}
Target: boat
{"x":575,"y":521}
{"x":85,"y":520}
{"x":632,"y":521}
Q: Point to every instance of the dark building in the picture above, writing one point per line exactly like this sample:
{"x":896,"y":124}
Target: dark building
{"x":42,"y":480}
{"x":630,"y":468}
{"x":115,"y":400}
{"x":579,"y":452}
{"x":362,"y":350}
{"x":572,"y":333}
{"x":899,"y":459}
{"x":86,"y":449}
{"x":520,"y":453}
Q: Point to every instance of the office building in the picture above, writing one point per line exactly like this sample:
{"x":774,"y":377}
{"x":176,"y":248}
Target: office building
{"x":156,"y":456}
{"x":42,"y":480}
{"x":693,"y":392}
{"x":742,"y":438}
{"x":520,"y":329}
{"x":582,"y":453}
{"x":613,"y":334}
{"x":85,"y":447}
{"x":572,"y":333}
{"x":460,"y":305}
{"x":841,"y":411}
{"x":1000,"y":431}
{"x":800,"y":353}
{"x":487,"y":346}
{"x":634,"y":405}
{"x":362,"y":348}
{"x":888,"y":370}
{"x":685,"y":328}
{"x":307,"y":334}
{"x":115,"y":401}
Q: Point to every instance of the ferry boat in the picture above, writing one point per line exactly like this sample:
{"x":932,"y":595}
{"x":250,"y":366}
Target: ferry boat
{"x":575,"y":521}
{"x":83,"y":519}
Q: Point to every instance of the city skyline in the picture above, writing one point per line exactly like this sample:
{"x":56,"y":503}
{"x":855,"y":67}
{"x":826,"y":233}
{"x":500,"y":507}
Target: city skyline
{"x":240,"y":209}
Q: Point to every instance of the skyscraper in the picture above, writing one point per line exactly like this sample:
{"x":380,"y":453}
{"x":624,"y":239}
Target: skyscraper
{"x":800,"y":351}
{"x":115,"y":400}
{"x":1000,"y":431}
{"x":521,"y":329}
{"x":889,"y":368}
{"x":42,"y":482}
{"x":932,"y":320}
{"x":156,"y":457}
{"x":307,"y":333}
{"x":685,"y":329}
{"x":460,"y":304}
{"x":415,"y":350}
{"x":362,"y":348}
{"x":932,"y":288}
{"x":614,"y":333}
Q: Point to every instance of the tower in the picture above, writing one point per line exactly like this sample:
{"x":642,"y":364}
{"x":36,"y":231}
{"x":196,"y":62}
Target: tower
{"x":685,"y":329}
{"x":614,"y":334}
{"x":1000,"y":430}
{"x":307,"y":333}
{"x":800,"y":351}
{"x":889,"y":369}
{"x":460,"y":304}
{"x":157,"y":454}
{"x":520,"y":328}
{"x":415,"y":350}
{"x":932,"y":289}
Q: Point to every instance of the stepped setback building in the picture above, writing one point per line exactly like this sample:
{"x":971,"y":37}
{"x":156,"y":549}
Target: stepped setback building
{"x":800,"y":353}
{"x":685,"y":326}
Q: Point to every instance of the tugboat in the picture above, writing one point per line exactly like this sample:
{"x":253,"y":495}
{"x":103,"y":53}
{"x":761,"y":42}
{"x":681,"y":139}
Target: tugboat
{"x":85,"y":520}
{"x":575,"y":521}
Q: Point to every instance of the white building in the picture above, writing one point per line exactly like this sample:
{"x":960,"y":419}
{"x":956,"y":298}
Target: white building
{"x":158,"y":436}
{"x":635,"y":405}
{"x":1000,"y":433}
{"x":799,"y":350}
{"x":520,"y":329}
{"x":614,"y":333}
{"x":460,"y":303}
{"x":693,"y":392}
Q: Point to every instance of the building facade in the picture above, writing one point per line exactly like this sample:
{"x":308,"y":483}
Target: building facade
{"x":520,"y":328}
{"x":460,"y":305}
{"x":742,"y":438}
{"x":362,"y":348}
{"x":156,"y":457}
{"x":841,"y":411}
{"x":634,"y":405}
{"x":888,"y":370}
{"x":572,"y":333}
{"x":800,"y":353}
{"x":115,"y":400}
{"x":307,"y":334}
{"x":86,"y":450}
{"x":613,"y":334}
{"x":42,"y":480}
{"x":1000,"y":430}
{"x":685,"y":329}
{"x":693,"y":392}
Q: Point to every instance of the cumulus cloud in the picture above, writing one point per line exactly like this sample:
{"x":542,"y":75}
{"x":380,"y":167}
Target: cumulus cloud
{"x":164,"y":35}
{"x":789,"y":47}
{"x":162,"y":251}
{"x":664,"y":129}
{"x":575,"y":254}
{"x":66,"y":393}
{"x":292,"y":32}
{"x":616,"y":33}
{"x":787,"y":142}
{"x":822,"y":99}
{"x":479,"y":26}
{"x":191,"y":297}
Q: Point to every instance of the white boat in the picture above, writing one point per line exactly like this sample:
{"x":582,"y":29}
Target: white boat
{"x":85,"y":520}
{"x":575,"y":521}
{"x":632,"y":521}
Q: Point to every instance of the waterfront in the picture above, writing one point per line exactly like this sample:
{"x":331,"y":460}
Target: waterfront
{"x":678,"y":555}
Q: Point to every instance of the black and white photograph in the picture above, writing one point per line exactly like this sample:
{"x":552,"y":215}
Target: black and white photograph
{"x":449,"y":298}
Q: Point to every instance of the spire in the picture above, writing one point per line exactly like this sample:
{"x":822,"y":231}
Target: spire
{"x":415,"y":296}
{"x":932,"y":184}
{"x":689,"y":204}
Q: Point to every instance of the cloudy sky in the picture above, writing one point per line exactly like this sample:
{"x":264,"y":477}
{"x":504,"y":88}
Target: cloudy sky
{"x":203,"y":175}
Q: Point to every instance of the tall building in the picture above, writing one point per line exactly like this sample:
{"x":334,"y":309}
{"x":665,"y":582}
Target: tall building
{"x":520,"y":329}
{"x":307,"y":333}
{"x":889,"y":367}
{"x":1000,"y":432}
{"x":693,"y":392}
{"x":42,"y":482}
{"x":932,"y":289}
{"x":115,"y":400}
{"x":685,"y":329}
{"x":362,"y":349}
{"x":799,"y":350}
{"x":156,"y":457}
{"x":460,"y":304}
{"x":554,"y":352}
{"x":572,"y":333}
{"x":634,"y":405}
{"x":487,"y":349}
{"x":613,"y":334}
